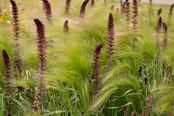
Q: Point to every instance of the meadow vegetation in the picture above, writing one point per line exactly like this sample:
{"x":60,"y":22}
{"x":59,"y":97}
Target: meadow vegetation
{"x":92,"y":57}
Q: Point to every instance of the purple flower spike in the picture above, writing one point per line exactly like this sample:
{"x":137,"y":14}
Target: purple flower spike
{"x":67,"y":7}
{"x":164,"y":42}
{"x":110,"y":40}
{"x":148,"y":104}
{"x":164,"y":28}
{"x":150,"y":2}
{"x":127,"y":12}
{"x":126,"y":111}
{"x":82,"y":10}
{"x":135,"y":7}
{"x":41,"y":62}
{"x":133,"y":112}
{"x":47,"y":9}
{"x":112,"y":7}
{"x":171,"y":9}
{"x":96,"y":68}
{"x":159,"y":25}
{"x":7,"y":78}
{"x":124,"y":8}
{"x":17,"y":57}
{"x":159,"y":12}
{"x":92,"y":3}
{"x":66,"y":29}
{"x":20,"y":88}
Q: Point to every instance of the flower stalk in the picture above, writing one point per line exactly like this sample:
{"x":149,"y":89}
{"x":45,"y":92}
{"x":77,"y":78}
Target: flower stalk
{"x":148,"y":104}
{"x":7,"y":78}
{"x":42,"y":59}
{"x":135,"y":7}
{"x":127,"y":12}
{"x":17,"y":57}
{"x":67,"y":7}
{"x":66,"y":28}
{"x":171,"y":9}
{"x":96,"y":68}
{"x":110,"y":41}
{"x":92,"y":3}
{"x":47,"y":9}
{"x":82,"y":10}
{"x":159,"y":12}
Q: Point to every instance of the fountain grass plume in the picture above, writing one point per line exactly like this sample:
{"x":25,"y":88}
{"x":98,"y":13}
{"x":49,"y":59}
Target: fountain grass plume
{"x":67,"y":7}
{"x":65,"y":28}
{"x":42,"y":59}
{"x":110,"y":40}
{"x":159,"y":12}
{"x":171,"y":9}
{"x":82,"y":9}
{"x":7,"y":78}
{"x":47,"y":9}
{"x":96,"y":68}
{"x":135,"y":7}
{"x":17,"y":57}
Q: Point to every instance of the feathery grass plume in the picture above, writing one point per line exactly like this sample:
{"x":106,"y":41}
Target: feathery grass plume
{"x":126,"y":111}
{"x":96,"y":68}
{"x":133,"y":112}
{"x":7,"y":78}
{"x":135,"y":7}
{"x":127,"y":12}
{"x":17,"y":57}
{"x":159,"y":12}
{"x":171,"y":9}
{"x":148,"y":104}
{"x":82,"y":10}
{"x":92,"y":3}
{"x":112,"y":7}
{"x":110,"y":40}
{"x":67,"y":7}
{"x":159,"y":26}
{"x":42,"y":59}
{"x":47,"y":9}
{"x":65,"y":28}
